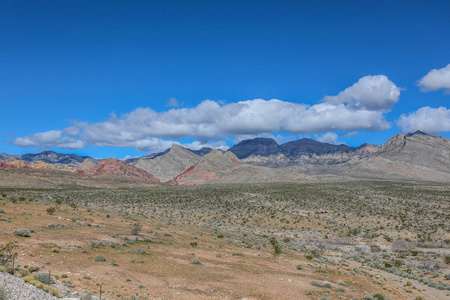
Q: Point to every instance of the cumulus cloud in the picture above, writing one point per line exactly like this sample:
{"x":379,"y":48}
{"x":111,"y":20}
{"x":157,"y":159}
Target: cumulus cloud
{"x":370,"y":92}
{"x":211,"y":122}
{"x":426,"y":119}
{"x":436,"y":79}
{"x":49,"y":139}
{"x":330,"y":138}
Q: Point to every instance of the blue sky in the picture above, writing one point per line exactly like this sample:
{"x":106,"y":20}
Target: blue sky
{"x":117,"y":78}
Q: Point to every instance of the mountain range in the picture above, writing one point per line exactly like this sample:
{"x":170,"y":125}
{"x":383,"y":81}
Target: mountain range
{"x":415,"y":156}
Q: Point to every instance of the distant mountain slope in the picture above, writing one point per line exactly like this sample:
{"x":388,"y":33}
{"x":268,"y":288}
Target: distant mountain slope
{"x":415,"y":156}
{"x":225,"y":167}
{"x":49,"y":157}
{"x":169,"y":164}
{"x":295,"y":149}
{"x":265,"y":147}
{"x":418,"y":149}
{"x":202,"y":152}
{"x":86,"y":164}
{"x":114,"y":166}
{"x":257,"y":146}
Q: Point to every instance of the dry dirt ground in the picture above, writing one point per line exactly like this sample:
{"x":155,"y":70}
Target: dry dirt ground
{"x":157,"y":262}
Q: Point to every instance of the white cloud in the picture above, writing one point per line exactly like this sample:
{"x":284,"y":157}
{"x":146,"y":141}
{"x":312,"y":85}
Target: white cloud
{"x":427,"y":119}
{"x":173,"y":102}
{"x":436,"y":79}
{"x":48,"y":139}
{"x":330,"y":138}
{"x":209,"y":122}
{"x":370,"y":92}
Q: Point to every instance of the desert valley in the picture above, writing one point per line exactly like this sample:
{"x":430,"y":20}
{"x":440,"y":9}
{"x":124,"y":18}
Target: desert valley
{"x":301,"y":220}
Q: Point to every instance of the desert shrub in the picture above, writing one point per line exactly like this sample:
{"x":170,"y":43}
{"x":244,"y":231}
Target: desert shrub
{"x":100,"y":258}
{"x":3,"y":293}
{"x":139,"y":251}
{"x":7,"y":254}
{"x":324,"y":285}
{"x":196,"y":261}
{"x":220,"y":235}
{"x":447,"y":276}
{"x":34,"y":280}
{"x":378,"y":297}
{"x":94,"y":244}
{"x":276,"y":247}
{"x":28,"y":278}
{"x":193,"y":244}
{"x":375,"y":248}
{"x":45,"y":278}
{"x":136,"y":228}
{"x":447,"y":259}
{"x":22,"y":232}
{"x":111,"y":244}
{"x":32,"y":269}
{"x":51,"y":210}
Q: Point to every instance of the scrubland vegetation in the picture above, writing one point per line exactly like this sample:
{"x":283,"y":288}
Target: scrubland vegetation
{"x":350,"y":240}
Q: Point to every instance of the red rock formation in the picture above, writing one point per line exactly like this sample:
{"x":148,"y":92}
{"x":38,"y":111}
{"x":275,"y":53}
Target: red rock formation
{"x":114,"y":166}
{"x":6,"y":166}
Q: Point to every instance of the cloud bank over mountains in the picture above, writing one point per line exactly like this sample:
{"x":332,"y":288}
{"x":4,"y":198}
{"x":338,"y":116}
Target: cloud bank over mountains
{"x":362,"y":106}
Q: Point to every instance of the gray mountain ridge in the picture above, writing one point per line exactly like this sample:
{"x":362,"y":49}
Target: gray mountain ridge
{"x":49,"y":157}
{"x":413,"y":156}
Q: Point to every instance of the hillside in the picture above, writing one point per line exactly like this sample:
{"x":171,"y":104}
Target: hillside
{"x":224,"y":167}
{"x":114,"y":166}
{"x":170,"y":164}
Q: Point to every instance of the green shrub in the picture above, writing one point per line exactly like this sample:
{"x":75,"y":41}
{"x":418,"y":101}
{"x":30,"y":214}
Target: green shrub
{"x":51,"y":210}
{"x":378,"y":297}
{"x":447,"y":259}
{"x":100,"y":258}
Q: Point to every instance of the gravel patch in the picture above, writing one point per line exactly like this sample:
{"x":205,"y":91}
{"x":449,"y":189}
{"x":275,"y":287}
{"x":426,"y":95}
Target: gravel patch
{"x":17,"y":289}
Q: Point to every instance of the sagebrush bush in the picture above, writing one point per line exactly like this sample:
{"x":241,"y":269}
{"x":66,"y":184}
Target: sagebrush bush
{"x":45,"y":278}
{"x":100,"y":258}
{"x":22,"y":233}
